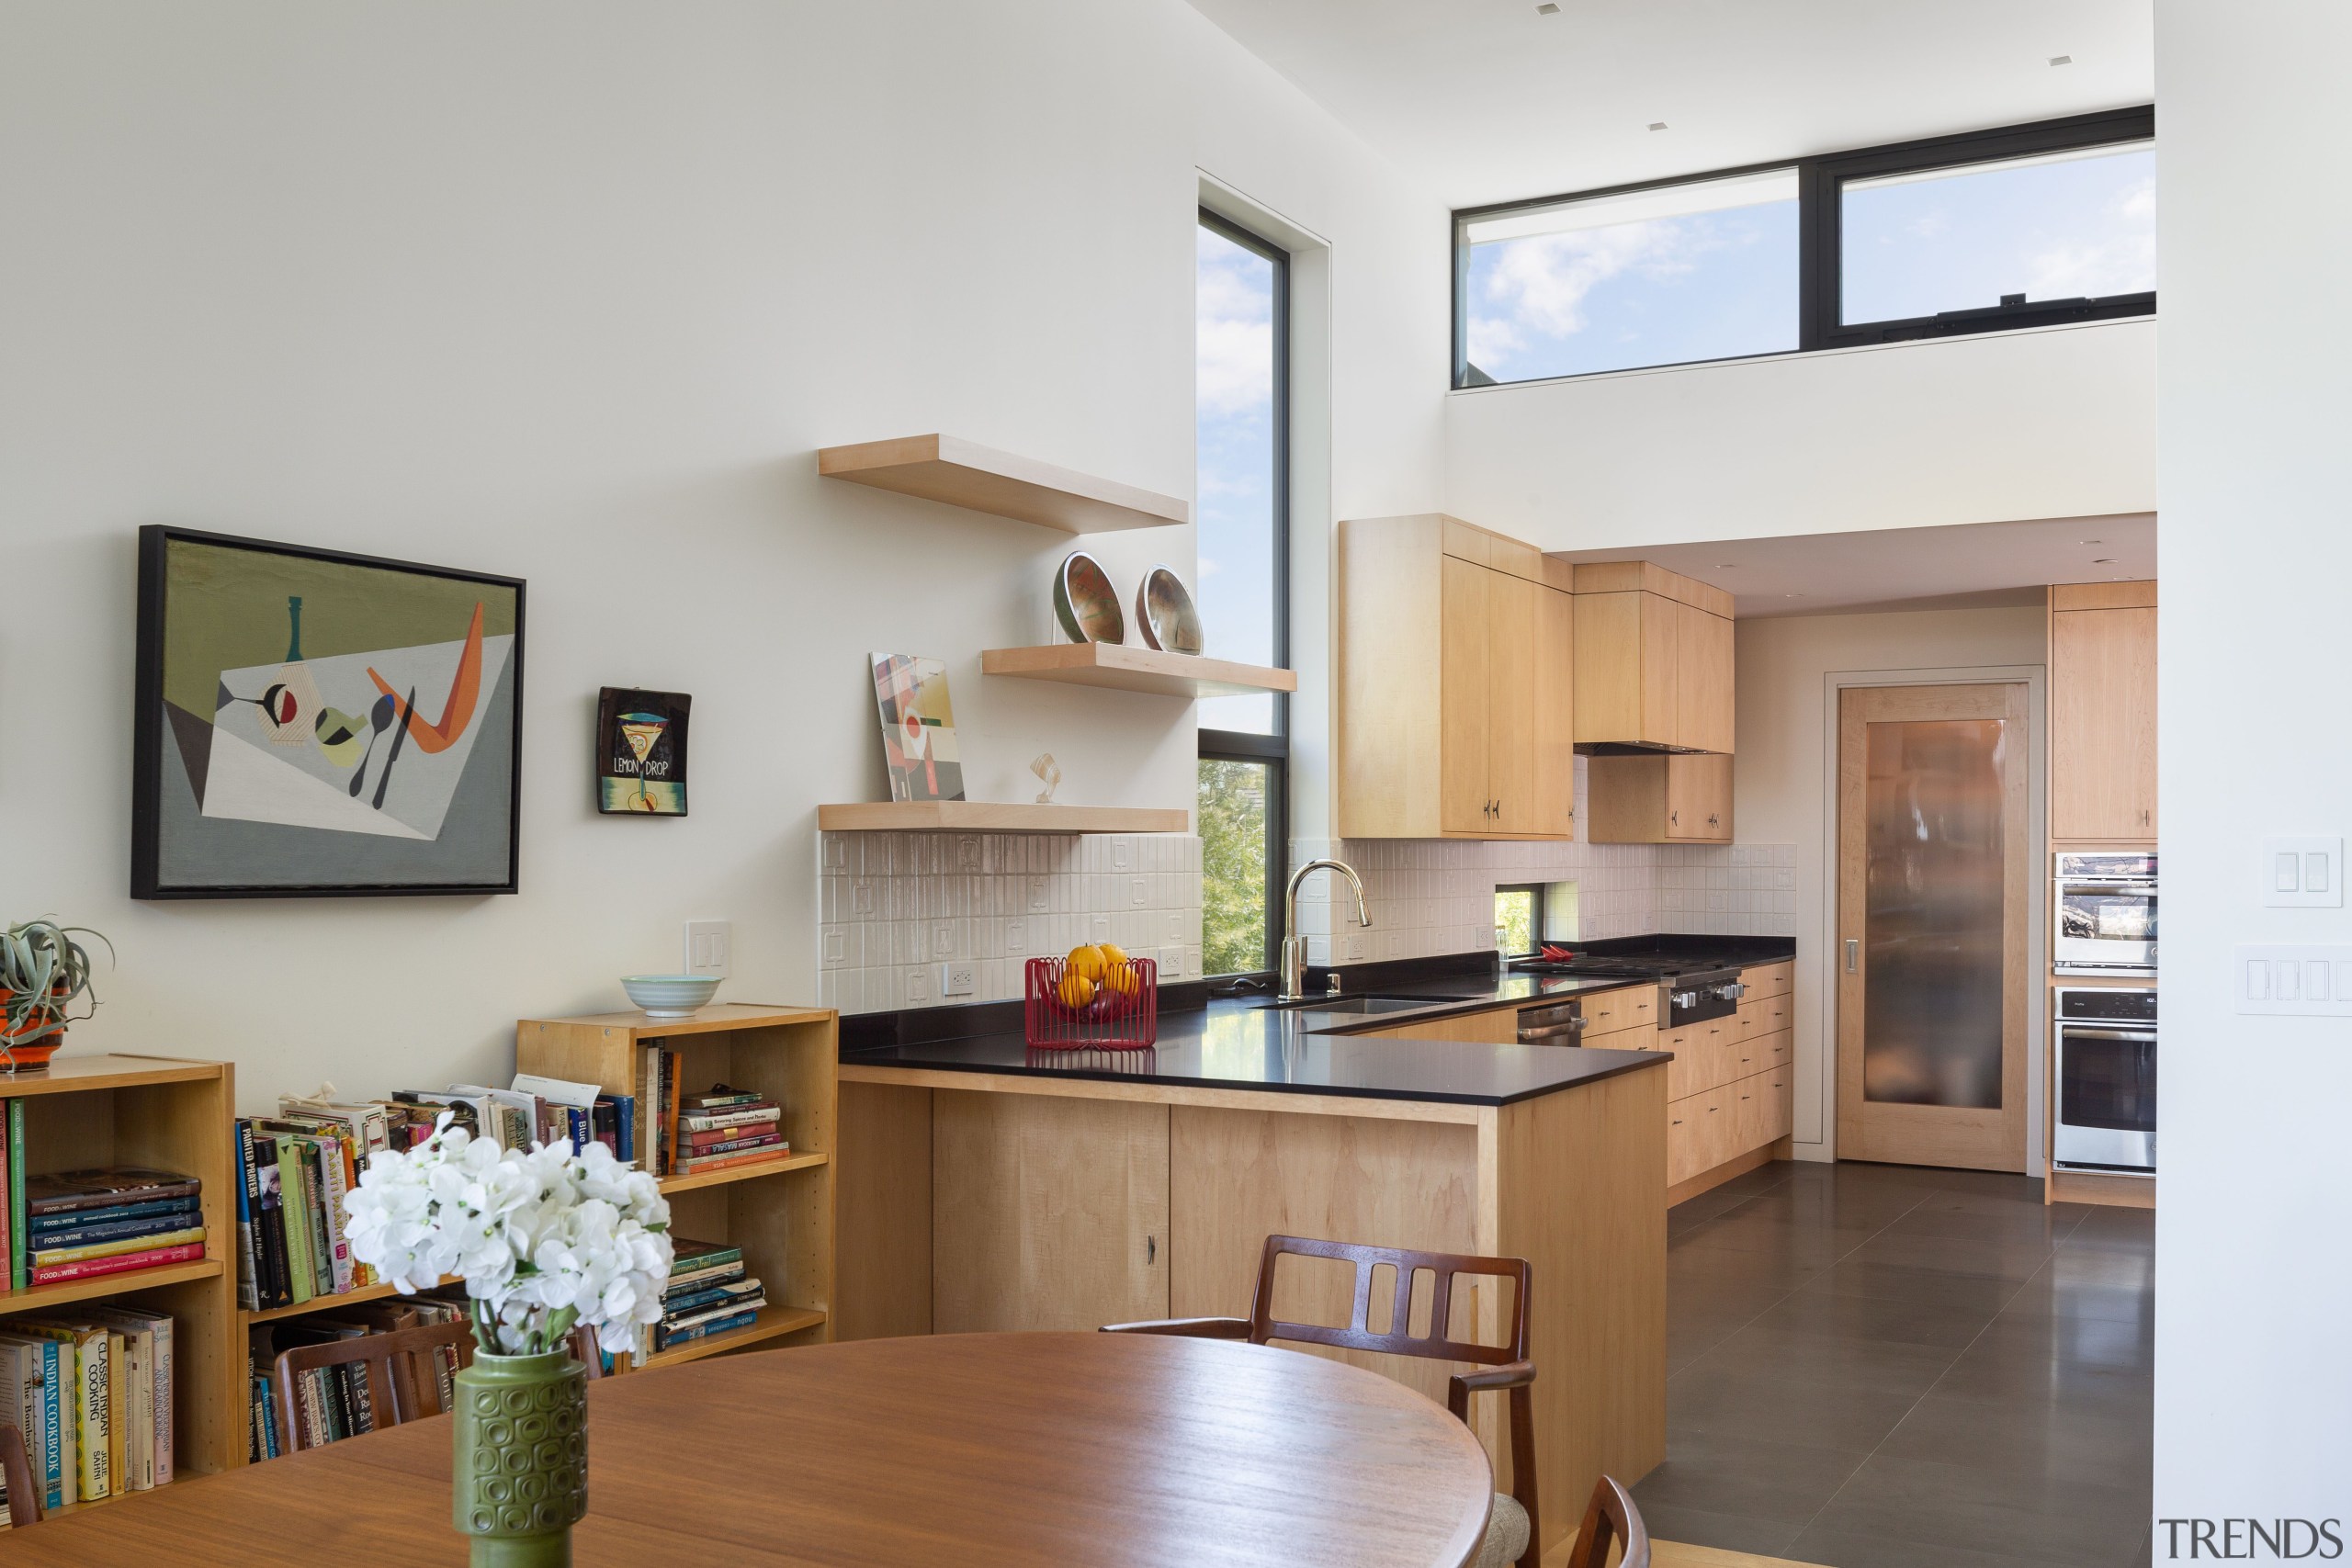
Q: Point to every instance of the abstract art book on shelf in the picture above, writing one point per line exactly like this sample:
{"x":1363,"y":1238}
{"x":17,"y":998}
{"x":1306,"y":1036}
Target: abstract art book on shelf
{"x":917,"y":728}
{"x":641,"y":752}
{"x":312,"y":722}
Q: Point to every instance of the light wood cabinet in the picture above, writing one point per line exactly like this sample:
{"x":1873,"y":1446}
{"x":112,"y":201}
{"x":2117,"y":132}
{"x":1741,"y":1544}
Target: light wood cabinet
{"x":1654,"y":658}
{"x":1629,"y":1007}
{"x":1659,"y":799}
{"x":1047,"y":1211}
{"x":2103,"y":711}
{"x":1730,"y":1086}
{"x":1498,"y":1026}
{"x":1457,"y":684}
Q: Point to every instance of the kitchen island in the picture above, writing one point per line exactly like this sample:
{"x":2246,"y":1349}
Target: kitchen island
{"x":986,"y":1187}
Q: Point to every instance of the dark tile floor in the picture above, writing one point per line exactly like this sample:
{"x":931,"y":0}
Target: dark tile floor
{"x":1875,"y":1365}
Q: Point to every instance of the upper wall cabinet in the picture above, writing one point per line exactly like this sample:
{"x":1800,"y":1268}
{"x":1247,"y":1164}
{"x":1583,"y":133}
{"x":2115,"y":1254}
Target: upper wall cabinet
{"x":1654,"y":658}
{"x":1456,"y":651}
{"x":2103,"y":711}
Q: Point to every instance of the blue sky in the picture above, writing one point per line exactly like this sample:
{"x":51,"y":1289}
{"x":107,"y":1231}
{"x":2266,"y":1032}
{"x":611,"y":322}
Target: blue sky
{"x":1234,"y":383}
{"x":1712,"y":285}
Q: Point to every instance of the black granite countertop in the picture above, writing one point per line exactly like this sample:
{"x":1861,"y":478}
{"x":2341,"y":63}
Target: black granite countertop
{"x":1240,"y":1043}
{"x":1248,"y":1046}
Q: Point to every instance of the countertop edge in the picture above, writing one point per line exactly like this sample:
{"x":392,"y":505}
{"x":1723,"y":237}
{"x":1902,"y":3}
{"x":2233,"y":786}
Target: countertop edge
{"x":1617,"y":1063}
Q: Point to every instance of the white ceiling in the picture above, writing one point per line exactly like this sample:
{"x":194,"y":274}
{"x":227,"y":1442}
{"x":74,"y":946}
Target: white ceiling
{"x":1975,"y":565}
{"x":1485,"y":100}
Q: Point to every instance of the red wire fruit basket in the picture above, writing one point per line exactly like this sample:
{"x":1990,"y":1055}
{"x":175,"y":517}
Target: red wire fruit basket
{"x":1062,"y":1011}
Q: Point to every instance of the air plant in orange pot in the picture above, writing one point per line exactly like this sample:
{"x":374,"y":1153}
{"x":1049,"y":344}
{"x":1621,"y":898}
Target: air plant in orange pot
{"x":43,"y":971}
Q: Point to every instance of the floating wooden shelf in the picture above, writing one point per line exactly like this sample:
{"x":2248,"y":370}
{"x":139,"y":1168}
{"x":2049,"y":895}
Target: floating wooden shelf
{"x":1125,"y":668}
{"x":942,"y":468}
{"x":752,"y":1172}
{"x":772,"y":1323}
{"x":996,"y":816}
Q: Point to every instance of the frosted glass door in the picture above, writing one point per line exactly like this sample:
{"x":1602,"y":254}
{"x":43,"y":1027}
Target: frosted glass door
{"x":1931,"y":1028}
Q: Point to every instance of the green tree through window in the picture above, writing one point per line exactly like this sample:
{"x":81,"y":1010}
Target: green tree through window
{"x":1233,"y":866}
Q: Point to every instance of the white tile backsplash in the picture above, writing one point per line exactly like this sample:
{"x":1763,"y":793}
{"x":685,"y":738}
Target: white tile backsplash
{"x":892,"y":907}
{"x":1429,"y":898}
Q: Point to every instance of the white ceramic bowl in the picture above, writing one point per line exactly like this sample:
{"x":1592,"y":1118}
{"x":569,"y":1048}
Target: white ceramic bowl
{"x":670,"y":996}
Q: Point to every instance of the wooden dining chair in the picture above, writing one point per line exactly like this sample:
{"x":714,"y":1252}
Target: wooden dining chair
{"x":403,"y":1382}
{"x":24,"y":1492}
{"x":1611,"y":1516}
{"x":1514,"y":1532}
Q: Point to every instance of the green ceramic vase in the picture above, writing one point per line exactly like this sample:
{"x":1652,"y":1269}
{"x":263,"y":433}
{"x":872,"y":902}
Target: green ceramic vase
{"x":521,"y":1478}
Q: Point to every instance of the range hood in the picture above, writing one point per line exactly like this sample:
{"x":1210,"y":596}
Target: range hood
{"x":1635,"y":748}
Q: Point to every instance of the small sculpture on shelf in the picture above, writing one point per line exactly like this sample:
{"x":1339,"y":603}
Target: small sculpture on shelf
{"x":1050,"y":773}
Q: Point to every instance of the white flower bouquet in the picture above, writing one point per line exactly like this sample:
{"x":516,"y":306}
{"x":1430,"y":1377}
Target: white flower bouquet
{"x":545,"y":1241}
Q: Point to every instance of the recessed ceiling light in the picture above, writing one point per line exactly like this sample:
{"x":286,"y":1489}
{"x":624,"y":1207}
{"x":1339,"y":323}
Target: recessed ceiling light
{"x":2091,"y":541}
{"x":1547,"y":9}
{"x":2102,"y":560}
{"x":1657,"y":125}
{"x":2062,"y":60}
{"x":1726,"y":565}
{"x":1791,"y":596}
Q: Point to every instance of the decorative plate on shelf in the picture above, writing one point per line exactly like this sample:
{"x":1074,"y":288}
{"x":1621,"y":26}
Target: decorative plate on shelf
{"x":1164,"y":612}
{"x":1085,"y":603}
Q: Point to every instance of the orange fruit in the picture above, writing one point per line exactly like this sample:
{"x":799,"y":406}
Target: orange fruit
{"x":1085,"y":960}
{"x":1076,"y":991}
{"x":1124,"y":979}
{"x":1113,"y":953}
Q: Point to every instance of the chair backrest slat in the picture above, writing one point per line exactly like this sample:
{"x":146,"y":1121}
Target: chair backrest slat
{"x":1398,"y":1339}
{"x":400,"y":1365}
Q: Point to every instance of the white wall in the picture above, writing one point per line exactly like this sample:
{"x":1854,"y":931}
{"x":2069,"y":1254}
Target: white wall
{"x":2054,"y":423}
{"x":571,"y":291}
{"x":1782,"y":783}
{"x":2253,"y":1365}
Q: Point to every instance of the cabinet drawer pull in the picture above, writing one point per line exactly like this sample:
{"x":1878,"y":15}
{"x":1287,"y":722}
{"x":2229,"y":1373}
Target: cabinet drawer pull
{"x":1150,"y":1250}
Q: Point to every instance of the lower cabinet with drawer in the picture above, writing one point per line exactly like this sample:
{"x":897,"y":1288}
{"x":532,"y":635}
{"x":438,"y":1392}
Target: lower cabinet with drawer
{"x":1731,"y":1087}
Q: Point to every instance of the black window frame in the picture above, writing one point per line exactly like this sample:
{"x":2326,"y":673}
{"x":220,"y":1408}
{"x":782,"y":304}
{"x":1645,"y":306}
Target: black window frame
{"x":1820,"y":283}
{"x":1244,"y":746}
{"x":1535,"y":914}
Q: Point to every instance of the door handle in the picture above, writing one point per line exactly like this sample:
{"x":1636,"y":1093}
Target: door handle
{"x":1853,"y":954}
{"x":1674,"y":818}
{"x":1150,"y":1250}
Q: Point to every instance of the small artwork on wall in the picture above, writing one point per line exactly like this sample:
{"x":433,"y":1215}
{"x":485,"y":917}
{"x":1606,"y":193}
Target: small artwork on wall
{"x":641,"y":752}
{"x":313,"y":722}
{"x":917,"y":728}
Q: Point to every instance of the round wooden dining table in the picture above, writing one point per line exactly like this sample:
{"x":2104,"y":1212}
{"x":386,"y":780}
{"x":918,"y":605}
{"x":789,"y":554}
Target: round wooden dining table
{"x":973,"y":1450}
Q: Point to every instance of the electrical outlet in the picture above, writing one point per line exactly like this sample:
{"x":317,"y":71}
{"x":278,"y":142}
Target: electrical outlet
{"x":710,"y":947}
{"x":956,"y":979}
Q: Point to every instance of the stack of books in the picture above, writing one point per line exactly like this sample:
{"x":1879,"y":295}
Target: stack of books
{"x":710,"y":1292}
{"x":726,"y":1127}
{"x":293,"y":1171}
{"x":91,"y":1389}
{"x":333,"y":1403}
{"x":76,"y":1224}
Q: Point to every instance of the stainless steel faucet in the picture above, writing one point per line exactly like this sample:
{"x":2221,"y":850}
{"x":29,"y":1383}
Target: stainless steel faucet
{"x":1295,"y":945}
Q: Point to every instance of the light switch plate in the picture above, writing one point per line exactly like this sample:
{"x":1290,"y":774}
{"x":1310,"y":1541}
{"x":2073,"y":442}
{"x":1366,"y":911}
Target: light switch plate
{"x":710,"y":947}
{"x":2302,"y":872}
{"x":2285,"y":980}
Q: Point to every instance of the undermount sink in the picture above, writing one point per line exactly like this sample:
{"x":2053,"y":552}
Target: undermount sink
{"x":1363,"y":1003}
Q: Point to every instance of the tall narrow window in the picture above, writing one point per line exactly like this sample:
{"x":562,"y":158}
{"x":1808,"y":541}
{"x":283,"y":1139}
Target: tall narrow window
{"x":1241,"y":300}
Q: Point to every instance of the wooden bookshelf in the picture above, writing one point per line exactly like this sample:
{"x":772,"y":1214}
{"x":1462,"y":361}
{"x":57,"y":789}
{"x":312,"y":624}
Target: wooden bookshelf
{"x":83,"y":1111}
{"x":779,"y":1211}
{"x":1117,"y":667}
{"x":324,"y":1304}
{"x":980,"y":479}
{"x":997,"y":816}
{"x":774,"y":1323}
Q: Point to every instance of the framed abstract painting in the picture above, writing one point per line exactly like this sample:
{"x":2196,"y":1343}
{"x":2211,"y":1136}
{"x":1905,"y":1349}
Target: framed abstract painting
{"x":311,"y":723}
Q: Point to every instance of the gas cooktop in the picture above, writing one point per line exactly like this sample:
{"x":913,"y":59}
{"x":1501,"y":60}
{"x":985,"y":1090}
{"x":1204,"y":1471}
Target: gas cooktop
{"x":1648,"y":966}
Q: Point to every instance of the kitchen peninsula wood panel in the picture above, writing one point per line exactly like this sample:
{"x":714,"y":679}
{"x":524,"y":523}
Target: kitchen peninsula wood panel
{"x":1043,"y":1209}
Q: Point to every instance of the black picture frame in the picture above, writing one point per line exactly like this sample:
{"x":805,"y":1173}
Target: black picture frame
{"x":149,"y":726}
